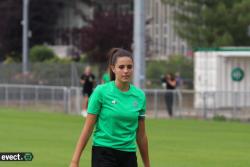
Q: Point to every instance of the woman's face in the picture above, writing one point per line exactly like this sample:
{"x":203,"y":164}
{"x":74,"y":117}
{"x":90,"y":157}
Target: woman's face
{"x":123,"y":69}
{"x":87,"y":70}
{"x":168,"y":76}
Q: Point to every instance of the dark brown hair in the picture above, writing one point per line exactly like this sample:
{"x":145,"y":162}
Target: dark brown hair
{"x":172,"y":76}
{"x":113,"y":55}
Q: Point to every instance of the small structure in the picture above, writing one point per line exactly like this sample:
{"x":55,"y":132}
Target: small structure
{"x":222,"y":77}
{"x":64,"y":51}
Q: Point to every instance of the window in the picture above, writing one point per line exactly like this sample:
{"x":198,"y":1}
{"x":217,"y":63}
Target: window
{"x":166,"y":14}
{"x":156,"y":45}
{"x":157,"y":13}
{"x":173,"y":49}
{"x":156,"y":30}
{"x":165,"y":29}
{"x":165,"y":45}
{"x":182,"y":49}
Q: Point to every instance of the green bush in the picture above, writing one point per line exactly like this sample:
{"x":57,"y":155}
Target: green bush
{"x":154,"y":71}
{"x":219,"y":118}
{"x":13,"y":57}
{"x":41,"y":53}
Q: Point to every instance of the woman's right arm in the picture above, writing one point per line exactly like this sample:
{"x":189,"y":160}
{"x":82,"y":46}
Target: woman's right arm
{"x":83,"y":139}
{"x":172,"y":82}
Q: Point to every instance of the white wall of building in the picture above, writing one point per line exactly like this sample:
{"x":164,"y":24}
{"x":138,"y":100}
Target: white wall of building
{"x":213,"y":80}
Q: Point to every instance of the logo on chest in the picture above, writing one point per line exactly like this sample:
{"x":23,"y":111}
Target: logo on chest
{"x":135,"y":104}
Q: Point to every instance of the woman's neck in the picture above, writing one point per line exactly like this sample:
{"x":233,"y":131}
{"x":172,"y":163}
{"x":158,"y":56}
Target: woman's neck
{"x":122,"y":86}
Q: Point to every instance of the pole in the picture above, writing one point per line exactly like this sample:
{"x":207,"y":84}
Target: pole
{"x":25,"y":43}
{"x":139,"y":43}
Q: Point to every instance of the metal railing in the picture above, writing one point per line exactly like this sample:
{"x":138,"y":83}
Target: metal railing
{"x":38,"y":97}
{"x":185,"y":103}
{"x":209,"y":104}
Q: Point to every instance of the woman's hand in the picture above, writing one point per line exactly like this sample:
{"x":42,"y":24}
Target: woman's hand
{"x":74,"y":164}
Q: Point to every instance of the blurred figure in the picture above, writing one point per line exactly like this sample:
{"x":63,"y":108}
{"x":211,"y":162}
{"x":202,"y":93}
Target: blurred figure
{"x":105,"y":77}
{"x":179,"y":80}
{"x":87,"y":81}
{"x":179,"y":86}
{"x":170,"y":84}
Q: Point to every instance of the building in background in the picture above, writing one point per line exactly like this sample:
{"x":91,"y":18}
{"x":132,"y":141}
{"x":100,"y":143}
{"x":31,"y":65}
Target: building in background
{"x":75,"y":15}
{"x":161,"y":38}
{"x":222,"y":77}
{"x":118,"y":6}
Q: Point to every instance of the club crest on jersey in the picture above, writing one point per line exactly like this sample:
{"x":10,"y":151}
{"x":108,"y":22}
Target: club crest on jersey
{"x":135,"y":104}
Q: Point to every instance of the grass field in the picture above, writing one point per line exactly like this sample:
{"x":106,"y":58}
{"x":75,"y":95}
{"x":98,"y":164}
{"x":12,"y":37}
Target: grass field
{"x":51,"y":137}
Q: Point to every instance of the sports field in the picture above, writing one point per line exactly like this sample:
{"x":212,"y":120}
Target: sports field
{"x":51,"y":137}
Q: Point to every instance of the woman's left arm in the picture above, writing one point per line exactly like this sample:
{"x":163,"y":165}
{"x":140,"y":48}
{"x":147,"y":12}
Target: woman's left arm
{"x":142,"y":142}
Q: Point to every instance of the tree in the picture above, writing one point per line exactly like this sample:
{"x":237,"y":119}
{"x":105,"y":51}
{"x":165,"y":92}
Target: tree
{"x":106,"y":30}
{"x":212,"y":23}
{"x":10,"y":26}
{"x":156,"y":69}
{"x":42,"y":21}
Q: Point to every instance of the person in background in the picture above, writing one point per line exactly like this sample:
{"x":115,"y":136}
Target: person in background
{"x":179,"y":80}
{"x":117,"y":111}
{"x":105,"y":77}
{"x":170,"y":84}
{"x":179,"y":87}
{"x":87,"y":81}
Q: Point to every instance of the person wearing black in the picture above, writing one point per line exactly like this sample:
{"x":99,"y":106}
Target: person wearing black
{"x":88,"y":82}
{"x":170,"y":84}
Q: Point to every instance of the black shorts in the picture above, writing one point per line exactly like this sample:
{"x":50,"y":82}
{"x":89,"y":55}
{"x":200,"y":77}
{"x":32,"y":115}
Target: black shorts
{"x":108,"y":157}
{"x":86,"y":93}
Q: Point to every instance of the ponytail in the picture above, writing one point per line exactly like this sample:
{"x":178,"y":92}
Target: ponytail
{"x":111,"y":62}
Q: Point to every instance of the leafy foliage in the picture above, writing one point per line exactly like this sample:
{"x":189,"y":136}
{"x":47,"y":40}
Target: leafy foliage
{"x":106,"y":30}
{"x":176,"y":63}
{"x":42,"y":21}
{"x":10,"y":26}
{"x":212,"y":23}
{"x":40,"y":53}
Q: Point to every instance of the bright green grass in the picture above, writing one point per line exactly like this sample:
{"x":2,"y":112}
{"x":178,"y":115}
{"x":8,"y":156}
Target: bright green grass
{"x":51,"y":137}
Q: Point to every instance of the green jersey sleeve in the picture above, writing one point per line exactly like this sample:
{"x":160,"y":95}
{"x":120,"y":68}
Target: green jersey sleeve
{"x":142,"y":112}
{"x":95,"y":102}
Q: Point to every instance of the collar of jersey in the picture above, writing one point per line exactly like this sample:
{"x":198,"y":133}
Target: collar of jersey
{"x":118,"y":90}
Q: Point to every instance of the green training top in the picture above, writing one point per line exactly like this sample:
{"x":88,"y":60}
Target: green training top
{"x":117,"y":115}
{"x":105,"y":77}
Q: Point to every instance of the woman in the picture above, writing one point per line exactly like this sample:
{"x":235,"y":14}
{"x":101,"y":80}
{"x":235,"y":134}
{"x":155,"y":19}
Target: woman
{"x":105,"y":77}
{"x":88,"y":82}
{"x":169,"y":96}
{"x":117,"y":110}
